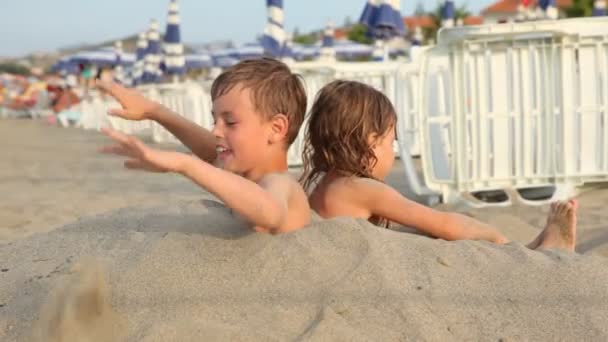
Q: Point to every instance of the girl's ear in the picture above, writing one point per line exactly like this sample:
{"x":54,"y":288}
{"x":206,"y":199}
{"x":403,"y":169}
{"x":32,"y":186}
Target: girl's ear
{"x":372,"y":140}
{"x":279,"y":125}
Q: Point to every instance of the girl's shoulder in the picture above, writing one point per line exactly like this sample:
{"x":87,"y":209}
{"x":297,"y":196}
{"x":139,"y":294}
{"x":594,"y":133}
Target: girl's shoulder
{"x":356,"y":185}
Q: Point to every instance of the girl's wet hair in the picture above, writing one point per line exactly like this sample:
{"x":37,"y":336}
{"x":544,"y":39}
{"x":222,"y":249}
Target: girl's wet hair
{"x":343,"y":117}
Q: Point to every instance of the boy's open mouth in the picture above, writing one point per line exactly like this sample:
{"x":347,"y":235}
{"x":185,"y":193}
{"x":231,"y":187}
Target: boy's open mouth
{"x":222,"y":151}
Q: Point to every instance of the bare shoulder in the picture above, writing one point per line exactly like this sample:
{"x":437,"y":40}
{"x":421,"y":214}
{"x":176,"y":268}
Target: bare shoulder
{"x":278,"y":180}
{"x":282,"y":183}
{"x":363,"y":187}
{"x":286,"y":188}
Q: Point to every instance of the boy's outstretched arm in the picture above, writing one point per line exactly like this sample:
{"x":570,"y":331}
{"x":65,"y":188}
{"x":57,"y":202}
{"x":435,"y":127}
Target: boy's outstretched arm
{"x":136,"y":107}
{"x":264,"y":205}
{"x":380,"y":199}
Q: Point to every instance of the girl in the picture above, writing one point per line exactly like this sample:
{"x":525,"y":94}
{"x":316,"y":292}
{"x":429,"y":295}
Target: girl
{"x":349,"y":151}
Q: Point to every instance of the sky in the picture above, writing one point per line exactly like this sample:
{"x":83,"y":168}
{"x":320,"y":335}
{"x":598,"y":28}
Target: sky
{"x":44,"y":25}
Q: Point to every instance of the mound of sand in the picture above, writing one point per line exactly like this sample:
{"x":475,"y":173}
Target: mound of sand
{"x":192,"y":271}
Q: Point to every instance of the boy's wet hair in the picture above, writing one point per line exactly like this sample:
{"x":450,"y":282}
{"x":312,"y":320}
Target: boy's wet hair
{"x":344,"y":116}
{"x":274,"y":90}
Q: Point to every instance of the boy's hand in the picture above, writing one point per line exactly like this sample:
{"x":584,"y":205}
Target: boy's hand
{"x":141,"y":157}
{"x":134,"y":105}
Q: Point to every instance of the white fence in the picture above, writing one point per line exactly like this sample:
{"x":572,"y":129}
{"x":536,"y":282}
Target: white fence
{"x":516,"y":107}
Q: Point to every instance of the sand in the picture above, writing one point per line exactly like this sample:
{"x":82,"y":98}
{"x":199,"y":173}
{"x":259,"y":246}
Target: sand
{"x":91,"y":252}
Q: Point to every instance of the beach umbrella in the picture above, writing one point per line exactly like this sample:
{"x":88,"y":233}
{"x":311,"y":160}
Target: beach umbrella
{"x":198,"y":61}
{"x":119,"y":75}
{"x":288,"y":55}
{"x":369,"y":11}
{"x":549,"y":9}
{"x":383,"y":21}
{"x":224,"y":61}
{"x":102,"y":58}
{"x":249,"y":51}
{"x":273,"y":39}
{"x":173,"y":49}
{"x":152,"y":58}
{"x":599,"y":8}
{"x":327,"y":46}
{"x":65,"y":67}
{"x":386,"y":21}
{"x":348,"y":50}
{"x":303,"y":52}
{"x":448,"y":14}
{"x":246,"y":51}
{"x":140,"y":54}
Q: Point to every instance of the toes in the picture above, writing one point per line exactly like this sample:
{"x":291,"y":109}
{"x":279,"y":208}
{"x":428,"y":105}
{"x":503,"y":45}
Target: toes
{"x":574,"y":203}
{"x":565,"y":207}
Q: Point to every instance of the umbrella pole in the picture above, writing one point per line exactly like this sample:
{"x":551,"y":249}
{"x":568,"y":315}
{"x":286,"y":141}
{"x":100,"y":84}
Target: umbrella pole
{"x":386,"y":51}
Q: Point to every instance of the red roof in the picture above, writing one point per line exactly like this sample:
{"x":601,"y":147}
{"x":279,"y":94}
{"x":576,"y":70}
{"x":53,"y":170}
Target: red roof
{"x":427,"y":22}
{"x":473,"y":20}
{"x":423,"y":21}
{"x":510,"y":6}
{"x":340,"y":33}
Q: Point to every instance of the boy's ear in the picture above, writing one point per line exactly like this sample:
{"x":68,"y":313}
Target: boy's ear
{"x":279,"y":125}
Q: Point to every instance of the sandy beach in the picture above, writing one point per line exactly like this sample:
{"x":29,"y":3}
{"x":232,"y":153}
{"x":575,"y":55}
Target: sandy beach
{"x":92,"y":252}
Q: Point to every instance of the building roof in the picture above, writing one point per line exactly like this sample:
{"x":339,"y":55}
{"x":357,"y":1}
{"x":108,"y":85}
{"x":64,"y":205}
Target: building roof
{"x":340,"y":33}
{"x":426,"y":21}
{"x":423,"y":21}
{"x":473,"y":20}
{"x":510,"y":6}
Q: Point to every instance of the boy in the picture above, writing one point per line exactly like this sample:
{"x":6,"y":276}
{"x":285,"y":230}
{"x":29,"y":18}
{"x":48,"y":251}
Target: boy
{"x":258,"y":108}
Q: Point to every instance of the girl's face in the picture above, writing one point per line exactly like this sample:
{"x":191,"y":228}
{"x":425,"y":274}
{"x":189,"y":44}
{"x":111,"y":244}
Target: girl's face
{"x":385,"y":155}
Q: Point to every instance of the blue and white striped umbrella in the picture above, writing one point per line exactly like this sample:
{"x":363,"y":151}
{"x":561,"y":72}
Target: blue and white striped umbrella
{"x":246,"y":51}
{"x":305,"y":52}
{"x":198,"y":61}
{"x":383,"y":18}
{"x":288,"y":55}
{"x":328,"y":53}
{"x":102,"y":58}
{"x":174,"y":62}
{"x":273,"y":39}
{"x":249,"y":51}
{"x":224,"y":61}
{"x":140,"y":58}
{"x":448,"y":14}
{"x":119,"y":75}
{"x":549,"y":9}
{"x":347,"y":49}
{"x":383,"y":21}
{"x":369,"y":11}
{"x":65,"y":67}
{"x":153,"y":56}
{"x":599,"y":8}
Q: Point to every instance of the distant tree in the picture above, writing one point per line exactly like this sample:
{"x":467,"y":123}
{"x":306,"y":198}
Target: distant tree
{"x":14,"y":68}
{"x":358,"y":34}
{"x":459,"y":13}
{"x":579,"y":8}
{"x":306,"y":39}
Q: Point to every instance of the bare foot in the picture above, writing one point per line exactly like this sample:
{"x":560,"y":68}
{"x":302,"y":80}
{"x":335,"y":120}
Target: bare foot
{"x":560,"y":231}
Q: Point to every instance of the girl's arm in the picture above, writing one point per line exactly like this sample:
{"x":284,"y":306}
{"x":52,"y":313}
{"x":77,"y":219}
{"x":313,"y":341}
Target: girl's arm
{"x":382,"y":200}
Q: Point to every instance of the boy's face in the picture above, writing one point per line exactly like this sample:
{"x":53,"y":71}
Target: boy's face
{"x":385,"y":155}
{"x":242,"y":134}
